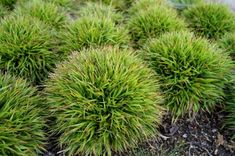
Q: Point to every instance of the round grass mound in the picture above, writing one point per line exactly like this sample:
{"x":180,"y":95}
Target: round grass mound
{"x":92,"y":9}
{"x":192,"y":72}
{"x":210,"y":20}
{"x":47,"y":12}
{"x":93,"y":32}
{"x":227,"y":43}
{"x":21,"y":127}
{"x":103,"y":100}
{"x":153,"y":22}
{"x":26,"y":48}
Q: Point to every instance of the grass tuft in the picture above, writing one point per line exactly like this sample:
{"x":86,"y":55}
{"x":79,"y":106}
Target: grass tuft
{"x":118,"y":4}
{"x":193,"y":72}
{"x":103,"y":11}
{"x":63,"y":3}
{"x":93,"y":32}
{"x":26,"y":48}
{"x":21,"y":127}
{"x":104,"y":100}
{"x":47,"y":12}
{"x":211,"y":21}
{"x":230,"y":105}
{"x":153,"y":22}
{"x":227,"y":43}
{"x":146,"y":4}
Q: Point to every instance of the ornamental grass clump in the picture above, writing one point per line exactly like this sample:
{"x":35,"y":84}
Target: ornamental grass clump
{"x":153,"y":22}
{"x":47,"y":12}
{"x":118,"y":4}
{"x":211,"y":21}
{"x":26,"y":48}
{"x":146,"y":4}
{"x":227,"y":43}
{"x":21,"y":127}
{"x":103,"y":100}
{"x":63,"y":3}
{"x":88,"y":32}
{"x":230,"y":105}
{"x":92,"y":9}
{"x":192,"y":72}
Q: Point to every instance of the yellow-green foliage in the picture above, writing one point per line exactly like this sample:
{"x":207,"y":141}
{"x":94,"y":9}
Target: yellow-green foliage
{"x":210,"y":20}
{"x":21,"y":127}
{"x":193,"y":72}
{"x":227,"y":43}
{"x":27,"y":48}
{"x":47,"y":12}
{"x":153,"y":22}
{"x":88,"y":32}
{"x":103,"y":100}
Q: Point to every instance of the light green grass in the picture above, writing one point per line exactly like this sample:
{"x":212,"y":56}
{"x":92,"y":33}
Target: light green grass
{"x":104,"y":100}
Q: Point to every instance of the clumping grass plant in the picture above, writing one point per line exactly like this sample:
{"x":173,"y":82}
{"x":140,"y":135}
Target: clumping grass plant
{"x":230,"y":105}
{"x":47,"y":12}
{"x":21,"y":127}
{"x":63,"y":3}
{"x":153,"y":22}
{"x":98,"y":10}
{"x":211,"y":21}
{"x":192,"y":72}
{"x":227,"y":43}
{"x":26,"y":47}
{"x":146,"y":4}
{"x":104,"y":100}
{"x":88,"y":32}
{"x":118,"y":4}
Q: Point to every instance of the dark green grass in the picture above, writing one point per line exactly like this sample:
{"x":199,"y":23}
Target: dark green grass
{"x":153,"y":22}
{"x":88,"y":32}
{"x":27,"y":48}
{"x":8,"y":3}
{"x":227,"y":43}
{"x":21,"y":127}
{"x":230,"y":105}
{"x":47,"y":12}
{"x":211,"y":21}
{"x":193,"y":72}
{"x":104,"y":101}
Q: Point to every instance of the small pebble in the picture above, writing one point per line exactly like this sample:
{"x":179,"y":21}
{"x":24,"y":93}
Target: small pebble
{"x":214,"y":130}
{"x":185,"y":136}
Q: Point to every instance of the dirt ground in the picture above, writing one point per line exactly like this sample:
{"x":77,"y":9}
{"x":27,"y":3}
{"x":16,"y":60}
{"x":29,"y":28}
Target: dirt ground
{"x":202,"y":136}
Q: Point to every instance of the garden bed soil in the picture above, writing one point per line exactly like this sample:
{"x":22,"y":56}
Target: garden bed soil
{"x":202,"y":136}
